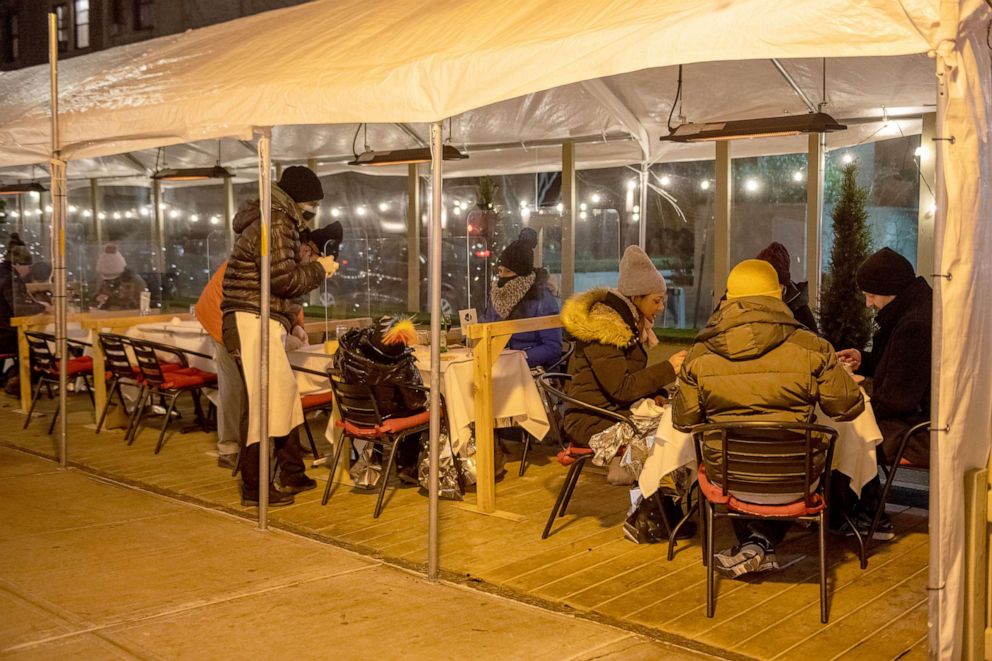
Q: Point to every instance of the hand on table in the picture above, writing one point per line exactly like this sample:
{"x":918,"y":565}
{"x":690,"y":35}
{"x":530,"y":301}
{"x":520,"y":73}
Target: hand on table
{"x":851,"y":357}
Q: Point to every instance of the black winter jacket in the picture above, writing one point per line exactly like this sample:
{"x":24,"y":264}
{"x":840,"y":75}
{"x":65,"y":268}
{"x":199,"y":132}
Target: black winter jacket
{"x":609,"y":367}
{"x":14,"y":299}
{"x":290,"y":279}
{"x":899,"y":360}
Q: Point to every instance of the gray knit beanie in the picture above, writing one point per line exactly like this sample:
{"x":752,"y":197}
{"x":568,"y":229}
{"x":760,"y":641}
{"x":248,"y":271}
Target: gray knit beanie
{"x":638,"y":276}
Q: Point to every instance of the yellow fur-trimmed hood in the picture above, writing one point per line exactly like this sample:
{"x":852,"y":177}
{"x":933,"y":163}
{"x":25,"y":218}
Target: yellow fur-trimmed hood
{"x":588,"y":319}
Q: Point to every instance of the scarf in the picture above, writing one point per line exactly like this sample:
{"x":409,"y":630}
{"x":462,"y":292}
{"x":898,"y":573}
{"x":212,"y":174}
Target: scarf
{"x":505,"y":298}
{"x":645,"y":327}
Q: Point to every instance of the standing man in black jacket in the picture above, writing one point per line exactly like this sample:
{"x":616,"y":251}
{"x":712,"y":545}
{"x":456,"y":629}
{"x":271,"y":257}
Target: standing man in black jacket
{"x":898,"y":363}
{"x":294,"y":201}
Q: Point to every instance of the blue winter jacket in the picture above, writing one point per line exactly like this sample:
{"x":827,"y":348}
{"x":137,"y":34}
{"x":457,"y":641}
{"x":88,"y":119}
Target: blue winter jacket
{"x":543,"y":348}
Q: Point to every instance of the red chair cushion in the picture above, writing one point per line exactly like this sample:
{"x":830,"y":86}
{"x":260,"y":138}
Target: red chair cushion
{"x":710,"y":491}
{"x":188,"y":377}
{"x":796,"y":508}
{"x":81,"y":365}
{"x":569,"y":455}
{"x":316,"y":400}
{"x":359,"y":431}
{"x":168,"y":367}
{"x":397,"y":425}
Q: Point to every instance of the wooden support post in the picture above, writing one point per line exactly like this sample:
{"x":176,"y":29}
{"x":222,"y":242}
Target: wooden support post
{"x":721,"y":233}
{"x":568,"y":220}
{"x":412,"y":239}
{"x":24,"y":369}
{"x":815,"y":161}
{"x":229,"y":210}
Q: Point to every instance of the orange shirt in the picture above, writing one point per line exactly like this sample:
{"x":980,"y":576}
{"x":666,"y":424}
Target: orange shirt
{"x":208,"y":311}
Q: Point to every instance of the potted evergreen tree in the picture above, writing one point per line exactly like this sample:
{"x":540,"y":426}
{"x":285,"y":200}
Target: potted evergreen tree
{"x":844,"y":318}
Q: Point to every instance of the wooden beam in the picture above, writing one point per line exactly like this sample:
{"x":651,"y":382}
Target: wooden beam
{"x":815,"y":162}
{"x":412,"y":239}
{"x":509,"y":327}
{"x":568,"y":219}
{"x":721,"y":233}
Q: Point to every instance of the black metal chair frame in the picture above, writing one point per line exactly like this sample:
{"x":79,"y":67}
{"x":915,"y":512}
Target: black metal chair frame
{"x":734,"y":477}
{"x":889,"y":468}
{"x":151,"y":385}
{"x":118,"y":364}
{"x":366,"y":417}
{"x":536,"y":373}
{"x":325,"y":407}
{"x":554,"y":397}
{"x":46,"y":365}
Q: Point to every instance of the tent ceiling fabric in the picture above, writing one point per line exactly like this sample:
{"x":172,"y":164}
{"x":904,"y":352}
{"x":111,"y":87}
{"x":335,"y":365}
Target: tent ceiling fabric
{"x":384,"y":61}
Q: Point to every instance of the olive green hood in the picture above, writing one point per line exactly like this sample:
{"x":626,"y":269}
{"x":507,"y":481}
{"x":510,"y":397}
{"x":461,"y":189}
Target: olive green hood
{"x":746,"y":328}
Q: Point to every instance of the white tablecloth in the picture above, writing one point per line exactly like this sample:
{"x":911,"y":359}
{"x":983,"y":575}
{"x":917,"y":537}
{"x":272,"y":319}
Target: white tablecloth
{"x":515,"y":395}
{"x":854,"y":451}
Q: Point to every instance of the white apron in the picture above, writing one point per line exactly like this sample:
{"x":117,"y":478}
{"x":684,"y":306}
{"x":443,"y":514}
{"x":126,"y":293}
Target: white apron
{"x":285,"y":410}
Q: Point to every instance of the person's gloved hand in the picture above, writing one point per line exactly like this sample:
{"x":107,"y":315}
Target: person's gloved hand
{"x":330,"y":266}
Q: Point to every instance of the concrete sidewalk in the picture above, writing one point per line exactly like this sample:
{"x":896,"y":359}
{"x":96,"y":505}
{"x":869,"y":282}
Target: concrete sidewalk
{"x":90,"y":569}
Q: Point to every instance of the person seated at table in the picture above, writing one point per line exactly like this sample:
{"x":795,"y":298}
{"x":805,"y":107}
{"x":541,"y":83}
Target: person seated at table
{"x":755,"y":362}
{"x":15,"y":301}
{"x":120,"y":287}
{"x":613,"y":329}
{"x":313,"y":244}
{"x":521,"y":292}
{"x":294,"y":199}
{"x":794,"y":294}
{"x":898,"y":366}
{"x":381,"y":356}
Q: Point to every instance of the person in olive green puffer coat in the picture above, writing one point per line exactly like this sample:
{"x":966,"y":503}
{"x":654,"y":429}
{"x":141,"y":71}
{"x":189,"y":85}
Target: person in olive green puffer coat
{"x":754,"y":362}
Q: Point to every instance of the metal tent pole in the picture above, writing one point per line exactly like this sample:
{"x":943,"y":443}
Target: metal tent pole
{"x":58,"y":236}
{"x":265,"y":207}
{"x":434,"y":255}
{"x":642,"y":227}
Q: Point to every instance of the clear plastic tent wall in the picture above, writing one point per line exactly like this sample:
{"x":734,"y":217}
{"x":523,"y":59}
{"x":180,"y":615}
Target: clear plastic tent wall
{"x":341,"y":61}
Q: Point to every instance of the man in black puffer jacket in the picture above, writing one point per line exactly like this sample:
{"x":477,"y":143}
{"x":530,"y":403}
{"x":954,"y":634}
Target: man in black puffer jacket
{"x":293,"y":203}
{"x":898,"y":366}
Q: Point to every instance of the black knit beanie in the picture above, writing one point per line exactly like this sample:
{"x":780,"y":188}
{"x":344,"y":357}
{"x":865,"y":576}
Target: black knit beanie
{"x":885,"y":273}
{"x":518,"y":257}
{"x":301,"y":184}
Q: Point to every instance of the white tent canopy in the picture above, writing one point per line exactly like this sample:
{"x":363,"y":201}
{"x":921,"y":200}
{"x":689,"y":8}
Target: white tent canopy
{"x":387,"y":61}
{"x":341,"y":62}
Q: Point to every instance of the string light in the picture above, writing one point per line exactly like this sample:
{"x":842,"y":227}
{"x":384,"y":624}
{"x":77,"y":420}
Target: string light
{"x":87,"y":213}
{"x":847,"y":158}
{"x":360,"y":211}
{"x":117,"y":215}
{"x":751,"y":185}
{"x":631,"y":184}
{"x":175,"y":213}
{"x":215,"y":220}
{"x":194,"y":218}
{"x":583,"y":206}
{"x":704,"y":184}
{"x":797,"y":176}
{"x":560,"y":207}
{"x":48,"y":208}
{"x":384,"y":206}
{"x":335,"y":212}
{"x":665,"y":181}
{"x":595,"y":198}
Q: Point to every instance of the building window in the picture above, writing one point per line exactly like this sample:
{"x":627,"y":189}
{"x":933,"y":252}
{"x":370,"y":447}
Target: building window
{"x":143,"y":10}
{"x":62,"y":26}
{"x":82,"y":23}
{"x":11,"y":38}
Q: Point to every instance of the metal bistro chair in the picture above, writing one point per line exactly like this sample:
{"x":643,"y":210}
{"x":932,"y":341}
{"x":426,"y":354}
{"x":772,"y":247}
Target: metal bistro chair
{"x":45,"y":364}
{"x":889,"y":468}
{"x":167,"y":384}
{"x":764,"y":458}
{"x":362,"y":420}
{"x":121,"y":372}
{"x":568,"y":348}
{"x":572,"y":456}
{"x":321,"y":401}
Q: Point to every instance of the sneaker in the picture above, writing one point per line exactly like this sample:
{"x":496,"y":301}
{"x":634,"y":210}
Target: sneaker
{"x":296,"y":484}
{"x":883,"y":533}
{"x":743,"y":559}
{"x":227,"y":461}
{"x":249,"y":497}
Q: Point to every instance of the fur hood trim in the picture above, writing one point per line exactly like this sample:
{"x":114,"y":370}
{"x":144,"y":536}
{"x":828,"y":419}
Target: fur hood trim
{"x":588,"y":319}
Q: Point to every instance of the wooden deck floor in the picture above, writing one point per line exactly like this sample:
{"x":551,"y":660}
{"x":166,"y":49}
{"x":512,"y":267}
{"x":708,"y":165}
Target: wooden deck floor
{"x":585,"y":566}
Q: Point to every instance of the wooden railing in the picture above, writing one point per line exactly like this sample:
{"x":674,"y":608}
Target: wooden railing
{"x":491,"y":340}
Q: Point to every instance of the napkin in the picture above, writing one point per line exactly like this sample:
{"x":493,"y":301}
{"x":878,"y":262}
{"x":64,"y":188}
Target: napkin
{"x":646,"y":408}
